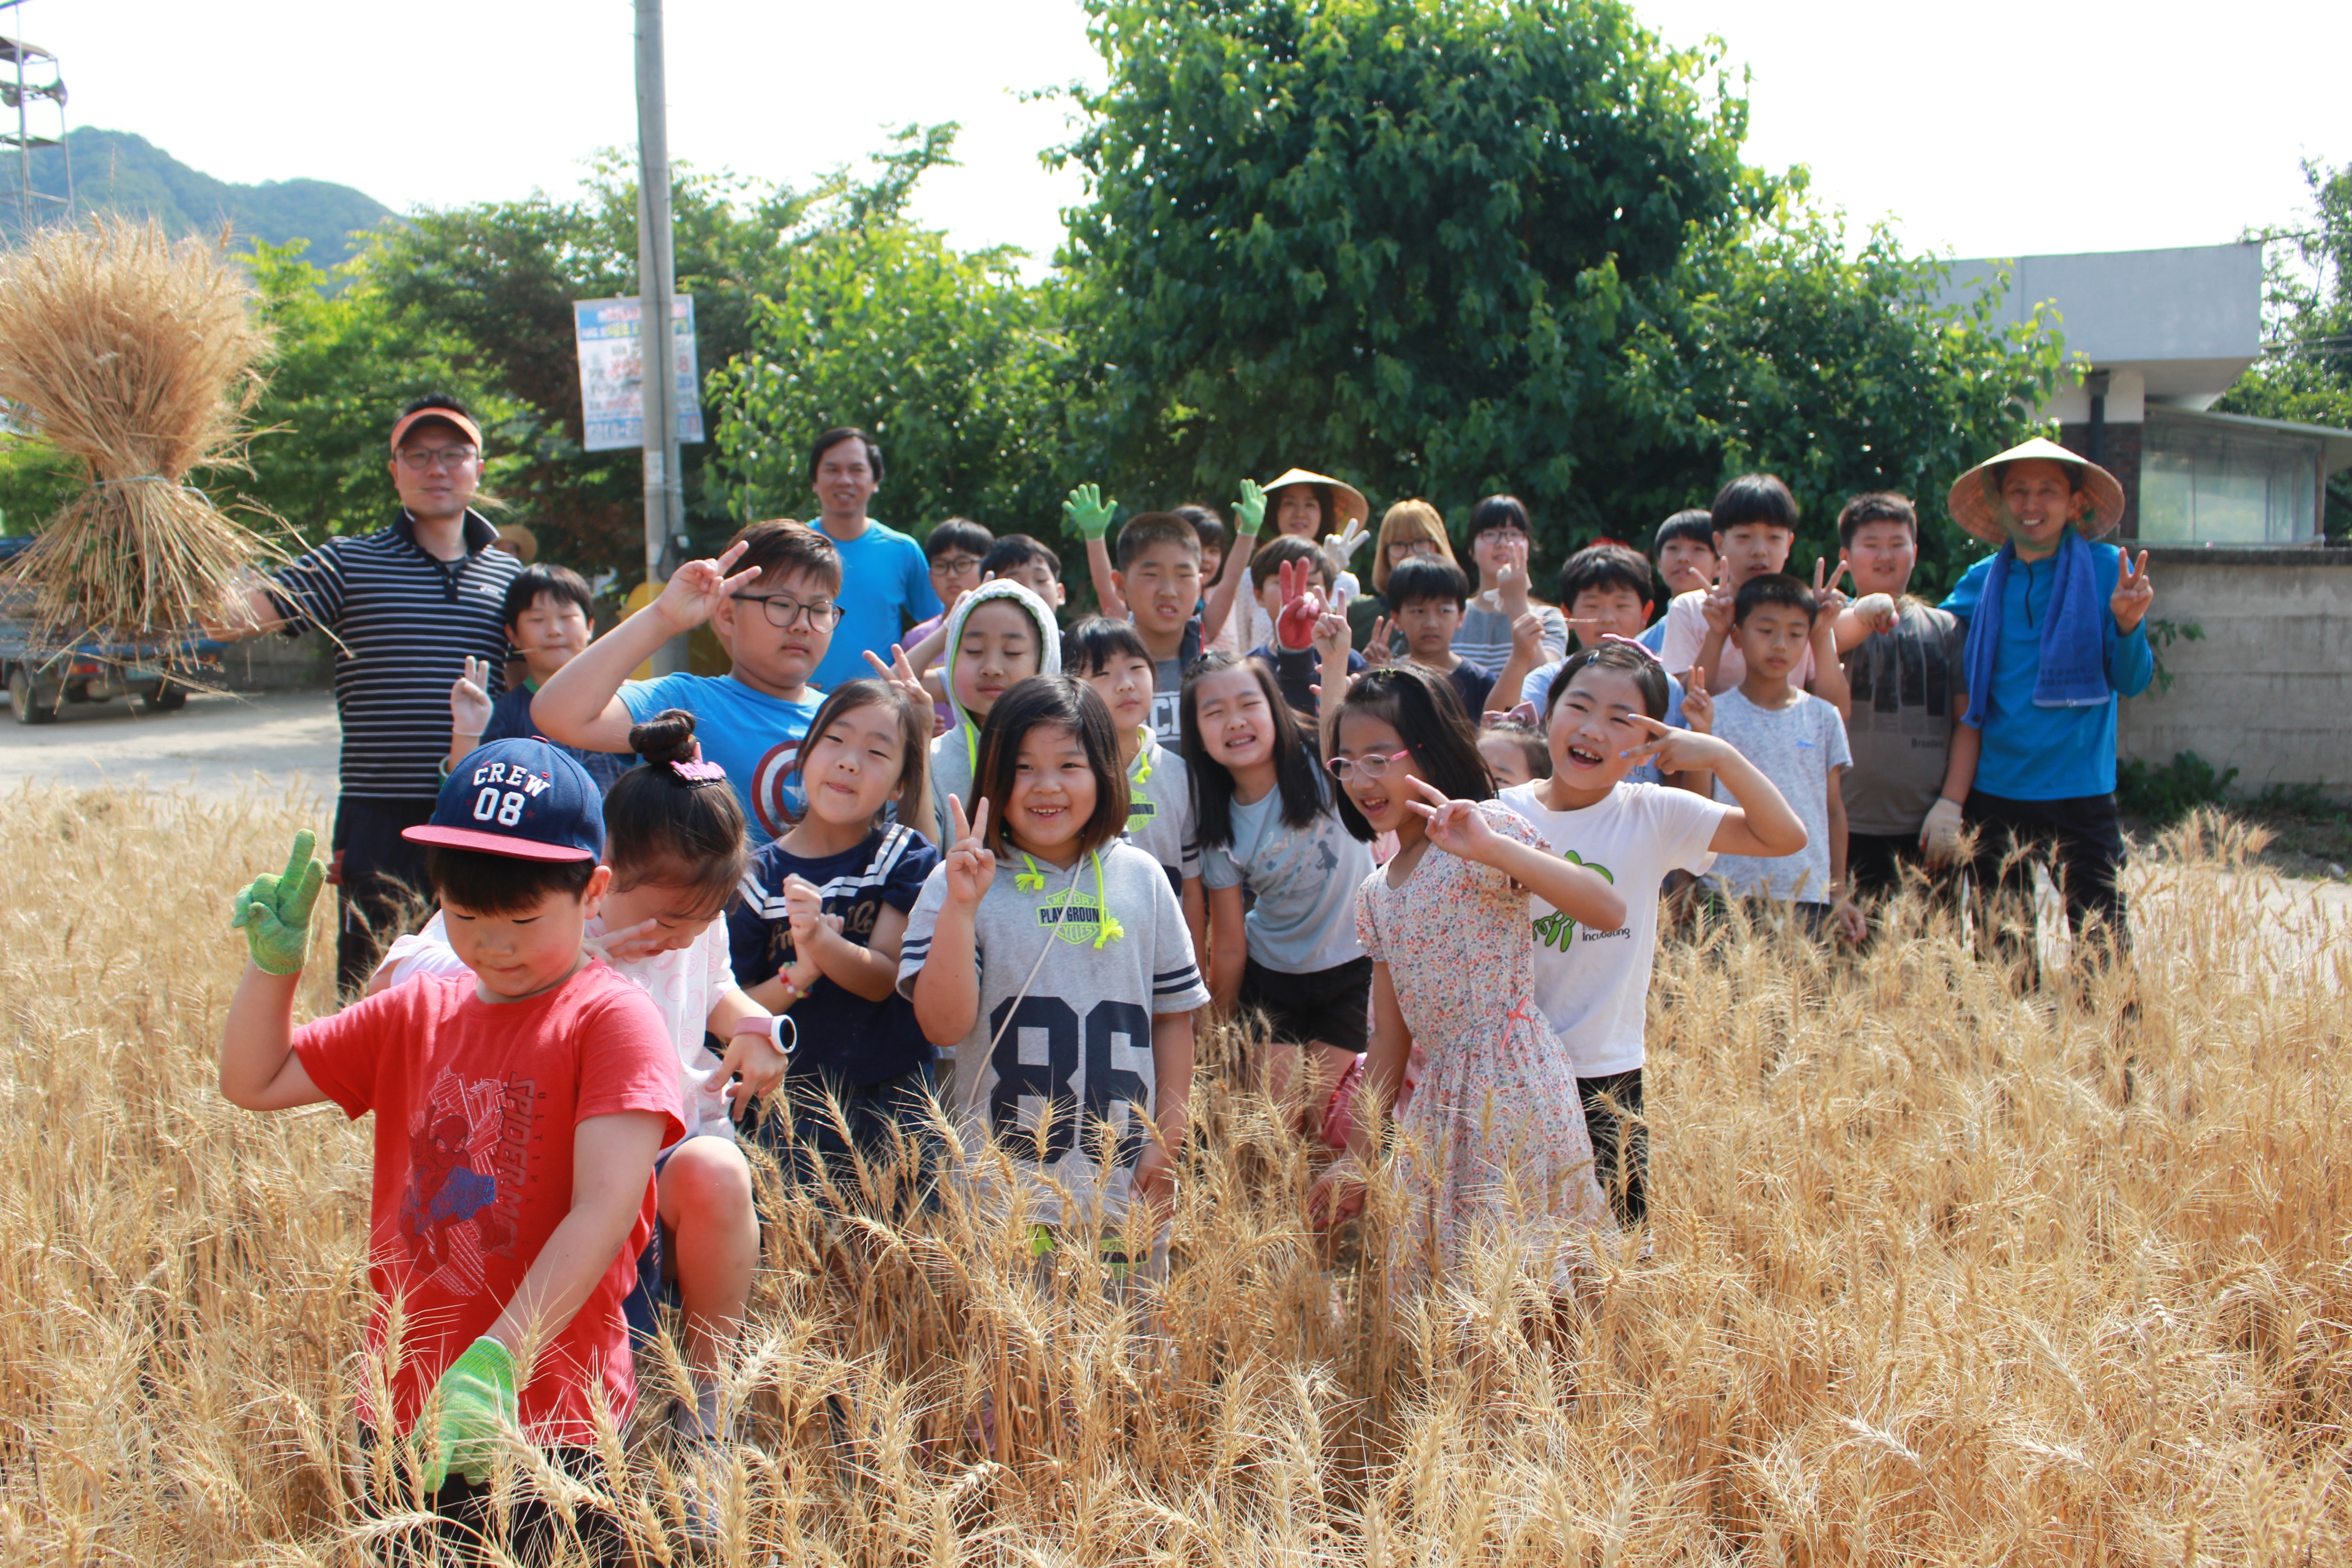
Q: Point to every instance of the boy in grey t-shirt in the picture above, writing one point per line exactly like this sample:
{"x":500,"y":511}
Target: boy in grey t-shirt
{"x":1798,"y":741}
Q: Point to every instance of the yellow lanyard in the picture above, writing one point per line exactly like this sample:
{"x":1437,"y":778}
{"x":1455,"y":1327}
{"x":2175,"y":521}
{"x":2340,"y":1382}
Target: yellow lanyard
{"x":1107,"y":929}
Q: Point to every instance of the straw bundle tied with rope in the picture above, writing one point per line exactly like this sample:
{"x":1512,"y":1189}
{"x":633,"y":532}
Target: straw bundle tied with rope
{"x":140,"y":356}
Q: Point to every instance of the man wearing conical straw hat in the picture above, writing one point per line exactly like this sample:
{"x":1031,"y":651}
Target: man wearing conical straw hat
{"x":407,"y":605}
{"x":2056,"y":632}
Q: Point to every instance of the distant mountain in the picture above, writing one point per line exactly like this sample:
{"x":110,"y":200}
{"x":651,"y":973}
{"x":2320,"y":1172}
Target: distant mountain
{"x":129,"y":174}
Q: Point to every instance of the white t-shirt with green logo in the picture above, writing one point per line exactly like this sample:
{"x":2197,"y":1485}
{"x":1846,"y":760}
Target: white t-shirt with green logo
{"x":1594,"y":985}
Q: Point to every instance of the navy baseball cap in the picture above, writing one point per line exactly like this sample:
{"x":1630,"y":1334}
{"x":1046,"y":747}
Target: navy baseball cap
{"x":522,"y":798}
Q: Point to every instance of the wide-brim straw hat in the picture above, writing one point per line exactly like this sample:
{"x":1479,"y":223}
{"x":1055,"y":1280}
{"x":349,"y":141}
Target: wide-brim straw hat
{"x":1976,"y":504}
{"x":1348,"y":502}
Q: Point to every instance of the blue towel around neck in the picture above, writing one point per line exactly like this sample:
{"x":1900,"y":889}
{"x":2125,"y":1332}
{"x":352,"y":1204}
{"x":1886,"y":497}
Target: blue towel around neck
{"x":2071,"y":663}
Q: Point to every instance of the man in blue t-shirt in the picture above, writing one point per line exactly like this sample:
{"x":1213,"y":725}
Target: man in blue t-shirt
{"x":2056,"y":633}
{"x":886,"y":583}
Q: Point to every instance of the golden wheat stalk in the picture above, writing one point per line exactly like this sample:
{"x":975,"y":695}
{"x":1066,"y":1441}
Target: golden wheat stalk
{"x":141,"y":357}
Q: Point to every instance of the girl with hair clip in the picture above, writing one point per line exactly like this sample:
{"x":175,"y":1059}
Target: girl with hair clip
{"x":1607,"y":715}
{"x":1267,"y":818}
{"x":676,"y":839}
{"x":1051,"y":957}
{"x":1493,"y":1151}
{"x":816,"y":936}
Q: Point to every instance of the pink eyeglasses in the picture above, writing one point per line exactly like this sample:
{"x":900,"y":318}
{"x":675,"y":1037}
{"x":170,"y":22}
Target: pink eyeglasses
{"x":1371,"y":767}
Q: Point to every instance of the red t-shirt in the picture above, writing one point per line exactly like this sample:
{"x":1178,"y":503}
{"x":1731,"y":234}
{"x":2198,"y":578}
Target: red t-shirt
{"x":474,"y":1103}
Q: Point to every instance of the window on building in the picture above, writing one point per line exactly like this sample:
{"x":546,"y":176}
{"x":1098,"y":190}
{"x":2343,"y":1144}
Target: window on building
{"x":2207,"y":483}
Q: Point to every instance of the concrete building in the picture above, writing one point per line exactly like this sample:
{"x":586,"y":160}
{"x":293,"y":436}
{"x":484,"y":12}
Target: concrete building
{"x":2229,"y":507}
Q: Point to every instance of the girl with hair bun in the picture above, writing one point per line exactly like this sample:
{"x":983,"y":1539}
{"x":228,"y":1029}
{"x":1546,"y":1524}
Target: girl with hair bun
{"x":676,"y":841}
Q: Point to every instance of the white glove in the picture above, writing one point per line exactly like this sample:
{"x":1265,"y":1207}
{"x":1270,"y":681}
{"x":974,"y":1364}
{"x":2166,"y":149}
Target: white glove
{"x":1878,"y":613}
{"x":1340,"y":548}
{"x":1939,"y":835}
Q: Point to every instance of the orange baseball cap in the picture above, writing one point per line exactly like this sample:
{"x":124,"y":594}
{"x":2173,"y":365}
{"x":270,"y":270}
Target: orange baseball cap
{"x":447,"y":416}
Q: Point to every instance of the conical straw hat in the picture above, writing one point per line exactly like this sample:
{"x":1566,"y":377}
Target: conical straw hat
{"x":1976,"y":504}
{"x":1347,"y":503}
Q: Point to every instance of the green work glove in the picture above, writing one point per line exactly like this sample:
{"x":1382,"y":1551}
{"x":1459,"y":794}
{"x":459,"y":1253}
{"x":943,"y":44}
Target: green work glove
{"x":274,"y":910}
{"x":1087,"y":511}
{"x":472,"y":1408}
{"x":1249,"y":512}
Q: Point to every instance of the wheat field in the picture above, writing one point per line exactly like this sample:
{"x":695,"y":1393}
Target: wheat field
{"x":1938,"y":1274}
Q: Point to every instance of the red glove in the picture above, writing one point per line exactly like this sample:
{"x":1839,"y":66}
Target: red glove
{"x":1302,"y":606}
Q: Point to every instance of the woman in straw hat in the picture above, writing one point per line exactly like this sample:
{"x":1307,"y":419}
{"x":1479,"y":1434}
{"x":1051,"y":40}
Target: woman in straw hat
{"x":2056,"y":632}
{"x":1327,"y":512}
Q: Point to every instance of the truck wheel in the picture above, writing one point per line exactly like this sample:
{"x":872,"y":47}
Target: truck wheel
{"x":30,"y":704}
{"x":168,"y":696}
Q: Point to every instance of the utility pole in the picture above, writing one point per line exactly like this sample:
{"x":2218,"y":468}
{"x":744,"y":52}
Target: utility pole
{"x":657,"y":283}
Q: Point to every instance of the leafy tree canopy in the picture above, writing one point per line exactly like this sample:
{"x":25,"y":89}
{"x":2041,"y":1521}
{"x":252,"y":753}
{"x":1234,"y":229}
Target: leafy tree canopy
{"x":1451,"y":246}
{"x":2305,"y":370}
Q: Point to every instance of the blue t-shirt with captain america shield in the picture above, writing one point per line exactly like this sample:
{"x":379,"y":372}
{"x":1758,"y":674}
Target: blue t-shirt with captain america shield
{"x":755,"y":737}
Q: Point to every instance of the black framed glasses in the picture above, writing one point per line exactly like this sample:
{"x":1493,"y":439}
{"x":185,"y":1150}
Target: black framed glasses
{"x":785,"y":612}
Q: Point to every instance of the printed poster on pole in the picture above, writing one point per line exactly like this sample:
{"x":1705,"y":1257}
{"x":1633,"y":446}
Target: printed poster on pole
{"x":612,"y":364}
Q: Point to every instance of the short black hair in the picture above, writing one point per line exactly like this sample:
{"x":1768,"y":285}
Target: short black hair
{"x":1649,"y":676}
{"x":1423,"y":710}
{"x":1773,"y":588}
{"x":958,"y":534}
{"x":484,"y":884}
{"x":435,"y":400}
{"x":1878,"y":506}
{"x":1088,"y":647}
{"x":834,"y":437}
{"x":1017,"y":550}
{"x":1606,"y":566}
{"x":782,"y":547}
{"x":1266,"y":566}
{"x":1752,"y":498}
{"x":1206,"y":523}
{"x":1695,"y":523}
{"x":1528,"y":738}
{"x":1155,"y":528}
{"x":1418,"y":578}
{"x":561,"y":583}
{"x":1060,"y":702}
{"x":1497,"y":512}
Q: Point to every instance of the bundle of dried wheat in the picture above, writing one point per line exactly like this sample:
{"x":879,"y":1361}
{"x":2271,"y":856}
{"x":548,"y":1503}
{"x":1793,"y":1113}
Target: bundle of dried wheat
{"x":138,"y":356}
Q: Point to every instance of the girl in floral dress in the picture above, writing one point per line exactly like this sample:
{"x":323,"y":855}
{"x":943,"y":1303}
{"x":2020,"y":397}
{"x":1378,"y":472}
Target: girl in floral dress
{"x":1493,"y":1149}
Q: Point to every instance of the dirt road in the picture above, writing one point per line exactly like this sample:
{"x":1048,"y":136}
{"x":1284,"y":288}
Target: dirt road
{"x":215,"y":744}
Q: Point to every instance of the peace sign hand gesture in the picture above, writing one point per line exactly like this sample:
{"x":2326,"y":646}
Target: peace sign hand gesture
{"x":469,"y":698}
{"x":1831,"y":597}
{"x":1377,"y":651}
{"x":1457,"y":826}
{"x":1718,"y":604}
{"x":695,"y":589}
{"x":971,"y":864}
{"x":1302,"y":606}
{"x":2134,"y":593}
{"x":1340,"y":548}
{"x":274,"y":910}
{"x":1676,"y":750}
{"x":901,"y":676}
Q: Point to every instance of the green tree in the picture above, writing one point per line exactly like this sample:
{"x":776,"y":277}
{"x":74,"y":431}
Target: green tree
{"x":949,"y":359}
{"x":2305,"y":370}
{"x":36,"y":482}
{"x":1450,"y":247}
{"x":1839,"y":369}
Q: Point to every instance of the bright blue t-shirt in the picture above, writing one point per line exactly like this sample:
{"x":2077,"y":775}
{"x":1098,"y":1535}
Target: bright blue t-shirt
{"x":1654,"y":636}
{"x":2047,"y":753}
{"x":755,"y":737}
{"x":886,"y":583}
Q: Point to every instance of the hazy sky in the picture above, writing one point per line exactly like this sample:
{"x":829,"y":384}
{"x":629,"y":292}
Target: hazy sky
{"x":1986,"y":130}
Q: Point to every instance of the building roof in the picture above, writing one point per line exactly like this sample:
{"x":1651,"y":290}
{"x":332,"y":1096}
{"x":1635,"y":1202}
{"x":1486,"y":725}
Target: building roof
{"x":2188,"y":321}
{"x":2336,"y":446}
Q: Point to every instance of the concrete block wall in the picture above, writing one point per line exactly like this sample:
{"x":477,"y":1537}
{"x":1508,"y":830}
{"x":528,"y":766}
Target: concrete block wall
{"x":2269,"y":690}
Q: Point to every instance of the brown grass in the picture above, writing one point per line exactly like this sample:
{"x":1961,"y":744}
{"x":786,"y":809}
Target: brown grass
{"x":138,"y":356}
{"x":1938,"y":1275}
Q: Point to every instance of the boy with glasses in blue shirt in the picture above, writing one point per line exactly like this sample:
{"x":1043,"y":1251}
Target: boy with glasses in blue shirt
{"x":773,"y":598}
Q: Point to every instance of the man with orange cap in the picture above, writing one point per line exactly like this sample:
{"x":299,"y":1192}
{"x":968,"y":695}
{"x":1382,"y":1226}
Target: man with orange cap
{"x":407,"y":605}
{"x":2056,"y":632}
